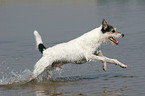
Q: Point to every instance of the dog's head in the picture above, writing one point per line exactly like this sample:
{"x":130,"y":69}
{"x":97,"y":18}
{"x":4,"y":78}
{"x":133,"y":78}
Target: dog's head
{"x":110,"y":33}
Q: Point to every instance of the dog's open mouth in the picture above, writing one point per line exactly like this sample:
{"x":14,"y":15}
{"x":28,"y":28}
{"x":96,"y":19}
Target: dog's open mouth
{"x":113,"y":41}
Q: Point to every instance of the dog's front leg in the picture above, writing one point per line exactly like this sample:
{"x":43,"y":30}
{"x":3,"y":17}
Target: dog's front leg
{"x":109,"y":60}
{"x":99,"y":53}
{"x":115,"y":61}
{"x":105,"y":59}
{"x":92,"y":57}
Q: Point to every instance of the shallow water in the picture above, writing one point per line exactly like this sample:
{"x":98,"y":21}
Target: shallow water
{"x":62,"y":20}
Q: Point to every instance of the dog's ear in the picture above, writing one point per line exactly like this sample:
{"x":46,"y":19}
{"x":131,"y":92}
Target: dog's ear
{"x":104,"y":24}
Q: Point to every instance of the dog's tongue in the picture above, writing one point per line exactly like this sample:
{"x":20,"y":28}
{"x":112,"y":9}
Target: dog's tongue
{"x":114,"y":40}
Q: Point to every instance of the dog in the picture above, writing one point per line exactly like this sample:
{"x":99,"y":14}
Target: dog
{"x":78,"y":51}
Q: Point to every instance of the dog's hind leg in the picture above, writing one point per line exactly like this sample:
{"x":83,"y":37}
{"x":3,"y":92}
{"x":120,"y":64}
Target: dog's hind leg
{"x":44,"y":63}
{"x":57,"y":65}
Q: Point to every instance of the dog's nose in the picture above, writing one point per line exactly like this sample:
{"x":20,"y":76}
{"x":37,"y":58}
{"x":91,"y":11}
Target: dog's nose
{"x":122,"y":35}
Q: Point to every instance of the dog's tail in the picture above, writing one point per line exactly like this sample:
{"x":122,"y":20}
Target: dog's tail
{"x":39,"y":42}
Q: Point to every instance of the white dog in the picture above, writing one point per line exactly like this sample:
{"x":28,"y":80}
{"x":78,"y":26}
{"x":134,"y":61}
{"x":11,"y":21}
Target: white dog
{"x":80,"y":50}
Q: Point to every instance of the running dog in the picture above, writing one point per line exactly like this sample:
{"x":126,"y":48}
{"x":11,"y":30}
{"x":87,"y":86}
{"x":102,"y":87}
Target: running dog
{"x":80,"y":50}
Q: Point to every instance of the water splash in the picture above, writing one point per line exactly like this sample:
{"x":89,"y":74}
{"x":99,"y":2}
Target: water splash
{"x":15,"y":77}
{"x":26,"y":76}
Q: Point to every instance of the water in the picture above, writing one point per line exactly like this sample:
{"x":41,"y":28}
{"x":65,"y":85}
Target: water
{"x":63,"y":20}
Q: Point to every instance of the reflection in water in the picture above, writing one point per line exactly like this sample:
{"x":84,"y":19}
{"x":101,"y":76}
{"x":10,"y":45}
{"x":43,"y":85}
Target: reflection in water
{"x":51,"y":89}
{"x":47,"y":89}
{"x":61,"y":88}
{"x":40,"y":89}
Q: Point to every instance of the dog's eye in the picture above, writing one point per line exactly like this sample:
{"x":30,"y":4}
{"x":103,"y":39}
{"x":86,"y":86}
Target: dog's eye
{"x":113,"y":31}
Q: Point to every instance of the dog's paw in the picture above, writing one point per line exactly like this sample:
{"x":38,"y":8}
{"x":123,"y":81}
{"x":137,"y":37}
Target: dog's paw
{"x":104,"y":68}
{"x":123,"y":66}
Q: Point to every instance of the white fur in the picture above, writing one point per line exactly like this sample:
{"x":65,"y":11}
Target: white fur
{"x":79,"y":50}
{"x":38,"y":38}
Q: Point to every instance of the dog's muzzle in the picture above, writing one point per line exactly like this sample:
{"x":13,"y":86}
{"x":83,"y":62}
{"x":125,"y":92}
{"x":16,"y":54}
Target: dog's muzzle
{"x":114,"y":41}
